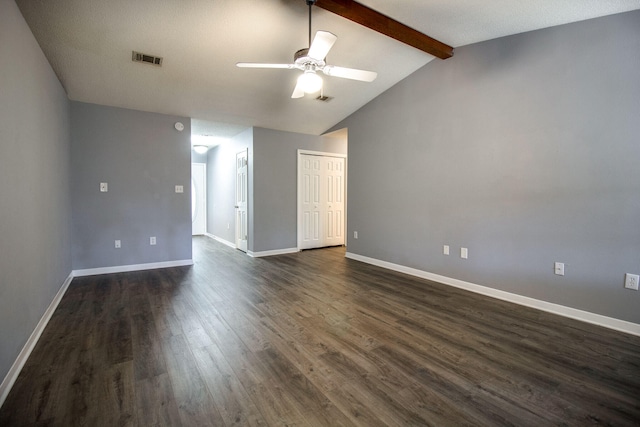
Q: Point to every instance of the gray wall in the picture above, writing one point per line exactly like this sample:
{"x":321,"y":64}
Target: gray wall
{"x":221,"y":184}
{"x":198,"y":158}
{"x":35,"y":212}
{"x":142,"y":157}
{"x":275,"y":184}
{"x":524,"y":149}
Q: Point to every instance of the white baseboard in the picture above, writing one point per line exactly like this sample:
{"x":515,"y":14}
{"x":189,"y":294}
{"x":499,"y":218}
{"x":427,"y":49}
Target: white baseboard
{"x":131,"y":267}
{"x":585,"y":316}
{"x":251,"y":253}
{"x":24,"y":354}
{"x":273,"y":252}
{"x":221,"y":240}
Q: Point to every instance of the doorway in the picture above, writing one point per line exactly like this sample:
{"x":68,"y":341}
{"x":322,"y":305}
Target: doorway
{"x":198,"y":199}
{"x":321,"y":199}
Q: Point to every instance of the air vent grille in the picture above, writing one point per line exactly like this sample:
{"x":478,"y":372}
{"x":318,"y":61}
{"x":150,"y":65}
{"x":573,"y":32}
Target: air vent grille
{"x":146,"y":58}
{"x":324,"y":98}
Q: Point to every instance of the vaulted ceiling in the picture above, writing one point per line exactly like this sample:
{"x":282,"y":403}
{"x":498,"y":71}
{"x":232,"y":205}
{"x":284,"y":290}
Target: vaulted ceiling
{"x":89,"y":44}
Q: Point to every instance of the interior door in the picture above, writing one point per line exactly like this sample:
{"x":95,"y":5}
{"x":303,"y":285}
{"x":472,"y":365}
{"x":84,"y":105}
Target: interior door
{"x":312,"y":212}
{"x":321,"y":201}
{"x":334,"y":214}
{"x":241,"y":200}
{"x":198,"y":198}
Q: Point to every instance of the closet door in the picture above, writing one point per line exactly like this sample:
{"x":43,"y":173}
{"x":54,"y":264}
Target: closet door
{"x":311,"y":177}
{"x":321,"y":199}
{"x":333,"y":233}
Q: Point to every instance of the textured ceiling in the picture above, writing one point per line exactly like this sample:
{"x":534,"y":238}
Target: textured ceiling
{"x":89,"y":44}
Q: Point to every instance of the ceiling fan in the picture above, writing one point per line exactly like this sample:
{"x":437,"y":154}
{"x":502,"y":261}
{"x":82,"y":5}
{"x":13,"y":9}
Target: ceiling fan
{"x":311,"y":60}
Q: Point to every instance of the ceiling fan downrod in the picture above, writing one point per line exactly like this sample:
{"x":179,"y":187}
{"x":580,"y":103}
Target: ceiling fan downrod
{"x":310,"y":3}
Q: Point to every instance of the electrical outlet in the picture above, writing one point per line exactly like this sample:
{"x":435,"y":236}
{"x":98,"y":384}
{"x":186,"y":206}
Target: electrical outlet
{"x":118,"y":244}
{"x":445,"y":249}
{"x":152,"y":240}
{"x":464,"y":253}
{"x":355,"y":234}
{"x":631,"y":281}
{"x":558,"y":268}
{"x":104,"y":187}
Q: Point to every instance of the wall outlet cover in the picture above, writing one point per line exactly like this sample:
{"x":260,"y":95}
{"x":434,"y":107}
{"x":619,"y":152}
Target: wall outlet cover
{"x":631,"y":281}
{"x":445,"y":249}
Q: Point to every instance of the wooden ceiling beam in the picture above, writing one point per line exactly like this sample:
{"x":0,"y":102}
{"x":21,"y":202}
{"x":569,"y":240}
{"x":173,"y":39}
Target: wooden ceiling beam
{"x":368,"y":17}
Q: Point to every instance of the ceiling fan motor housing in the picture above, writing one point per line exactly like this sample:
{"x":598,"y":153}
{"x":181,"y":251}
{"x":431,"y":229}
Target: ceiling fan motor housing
{"x":303,"y":61}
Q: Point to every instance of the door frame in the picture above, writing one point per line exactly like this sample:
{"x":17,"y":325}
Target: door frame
{"x":299,"y":230}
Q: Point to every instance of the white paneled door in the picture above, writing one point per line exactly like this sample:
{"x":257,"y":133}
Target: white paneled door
{"x":241,"y":200}
{"x":321,"y":201}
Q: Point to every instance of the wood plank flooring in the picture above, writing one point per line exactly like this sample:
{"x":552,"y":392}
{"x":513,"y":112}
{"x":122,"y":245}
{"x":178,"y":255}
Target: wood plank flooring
{"x":313,"y":339}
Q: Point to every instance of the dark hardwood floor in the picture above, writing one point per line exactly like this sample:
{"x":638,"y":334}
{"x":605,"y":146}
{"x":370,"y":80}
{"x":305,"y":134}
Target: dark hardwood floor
{"x":314,"y":339}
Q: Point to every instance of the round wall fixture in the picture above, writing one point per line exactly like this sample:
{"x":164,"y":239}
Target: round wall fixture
{"x":179,"y":126}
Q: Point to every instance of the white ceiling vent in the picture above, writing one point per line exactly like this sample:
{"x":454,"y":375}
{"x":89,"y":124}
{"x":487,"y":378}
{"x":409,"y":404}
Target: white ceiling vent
{"x":146,"y":58}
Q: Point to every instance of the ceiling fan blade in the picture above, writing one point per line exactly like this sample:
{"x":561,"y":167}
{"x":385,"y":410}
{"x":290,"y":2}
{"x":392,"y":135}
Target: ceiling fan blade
{"x":322,"y":43}
{"x":350,"y":73}
{"x":259,"y":65}
{"x":298,"y":92}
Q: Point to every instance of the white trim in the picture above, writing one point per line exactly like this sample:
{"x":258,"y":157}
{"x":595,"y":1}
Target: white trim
{"x":131,"y":267}
{"x":273,"y":252}
{"x":221,"y":240}
{"x":24,"y":354}
{"x":321,"y":153}
{"x":573,"y":313}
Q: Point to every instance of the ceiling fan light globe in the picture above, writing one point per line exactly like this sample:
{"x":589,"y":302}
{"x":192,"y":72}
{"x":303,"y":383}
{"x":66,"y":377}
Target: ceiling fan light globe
{"x":310,"y":82}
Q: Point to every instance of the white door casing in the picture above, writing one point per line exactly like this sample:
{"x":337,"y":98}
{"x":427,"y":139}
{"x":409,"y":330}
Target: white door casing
{"x":241,"y":200}
{"x":198,"y":198}
{"x":321,"y":199}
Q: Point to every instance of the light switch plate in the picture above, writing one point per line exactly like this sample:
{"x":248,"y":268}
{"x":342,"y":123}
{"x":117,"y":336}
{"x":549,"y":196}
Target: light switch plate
{"x":152,"y":240}
{"x":558,"y":268}
{"x":464,"y":253}
{"x":104,"y":187}
{"x":445,"y":249}
{"x":179,"y":189}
